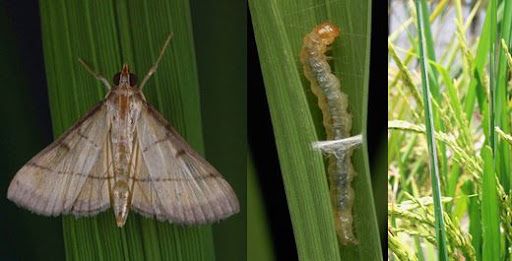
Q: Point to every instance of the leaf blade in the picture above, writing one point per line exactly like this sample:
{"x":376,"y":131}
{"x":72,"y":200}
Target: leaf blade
{"x":71,"y":95}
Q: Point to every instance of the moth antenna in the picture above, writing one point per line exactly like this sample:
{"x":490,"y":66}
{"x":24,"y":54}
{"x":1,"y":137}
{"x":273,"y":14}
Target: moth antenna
{"x":152,"y":70}
{"x":96,"y":75}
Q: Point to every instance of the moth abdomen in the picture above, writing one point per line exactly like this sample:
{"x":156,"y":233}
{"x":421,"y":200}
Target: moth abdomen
{"x":121,"y":195}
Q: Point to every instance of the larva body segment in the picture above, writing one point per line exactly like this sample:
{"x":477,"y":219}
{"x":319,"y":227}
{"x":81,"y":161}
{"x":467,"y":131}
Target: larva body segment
{"x":337,"y":122}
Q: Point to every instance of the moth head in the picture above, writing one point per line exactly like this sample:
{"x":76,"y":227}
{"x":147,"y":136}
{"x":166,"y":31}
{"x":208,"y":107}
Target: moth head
{"x":327,"y":32}
{"x":125,"y":77}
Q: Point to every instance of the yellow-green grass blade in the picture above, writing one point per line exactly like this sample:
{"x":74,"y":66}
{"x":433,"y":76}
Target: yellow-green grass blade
{"x":476,"y":90}
{"x":453,"y":98}
{"x":490,"y":214}
{"x":280,"y":27}
{"x":501,"y":107}
{"x":430,"y":131}
{"x":434,"y":84}
{"x":499,"y":73}
{"x":492,"y":74}
{"x":107,"y":34}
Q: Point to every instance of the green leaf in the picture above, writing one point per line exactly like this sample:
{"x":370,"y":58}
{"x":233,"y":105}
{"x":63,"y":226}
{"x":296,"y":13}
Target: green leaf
{"x":429,"y":125}
{"x":502,"y":107}
{"x":434,"y":84}
{"x":108,"y":34}
{"x":490,"y":214}
{"x":280,"y":27}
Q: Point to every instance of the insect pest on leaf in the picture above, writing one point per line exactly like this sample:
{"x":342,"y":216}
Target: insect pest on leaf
{"x":337,"y":121}
{"x":124,"y":154}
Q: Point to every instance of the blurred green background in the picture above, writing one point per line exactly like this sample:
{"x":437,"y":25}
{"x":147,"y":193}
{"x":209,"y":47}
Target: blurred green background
{"x":219,"y":34}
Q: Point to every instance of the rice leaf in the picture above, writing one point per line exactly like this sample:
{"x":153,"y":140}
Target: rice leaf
{"x":502,"y":156}
{"x":490,"y":214}
{"x":429,"y":124}
{"x":279,"y":29}
{"x":107,"y":34}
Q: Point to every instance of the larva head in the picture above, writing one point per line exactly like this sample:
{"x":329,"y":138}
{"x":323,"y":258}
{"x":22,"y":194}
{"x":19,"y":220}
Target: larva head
{"x":125,"y":77}
{"x":327,"y":32}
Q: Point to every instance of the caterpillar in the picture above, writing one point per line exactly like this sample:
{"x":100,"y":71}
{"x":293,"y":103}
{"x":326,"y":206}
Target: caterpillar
{"x":337,"y":122}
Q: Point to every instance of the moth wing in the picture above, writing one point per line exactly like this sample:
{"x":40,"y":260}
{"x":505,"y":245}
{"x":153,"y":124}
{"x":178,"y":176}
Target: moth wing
{"x":173,"y":182}
{"x":70,"y":175}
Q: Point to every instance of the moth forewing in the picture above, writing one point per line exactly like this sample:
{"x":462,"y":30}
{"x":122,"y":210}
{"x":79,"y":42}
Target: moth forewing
{"x":124,"y":154}
{"x":61,"y":178}
{"x":183,"y":188}
{"x":96,"y":189}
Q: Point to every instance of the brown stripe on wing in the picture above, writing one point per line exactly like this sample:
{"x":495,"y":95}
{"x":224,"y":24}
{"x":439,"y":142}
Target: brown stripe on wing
{"x":147,"y":179}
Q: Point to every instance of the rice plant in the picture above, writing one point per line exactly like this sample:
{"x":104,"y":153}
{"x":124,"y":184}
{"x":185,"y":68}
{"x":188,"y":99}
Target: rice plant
{"x":449,"y":130}
{"x":280,"y":27}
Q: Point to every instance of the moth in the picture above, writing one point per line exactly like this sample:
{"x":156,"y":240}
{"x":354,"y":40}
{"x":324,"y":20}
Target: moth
{"x":337,"y":122}
{"x":124,"y":154}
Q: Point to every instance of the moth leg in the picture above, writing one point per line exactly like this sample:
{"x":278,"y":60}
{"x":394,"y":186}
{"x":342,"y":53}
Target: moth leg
{"x":152,"y":70}
{"x":96,"y":75}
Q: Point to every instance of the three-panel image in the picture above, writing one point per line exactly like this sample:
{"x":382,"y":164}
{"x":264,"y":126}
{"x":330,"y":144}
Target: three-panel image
{"x":256,"y":130}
